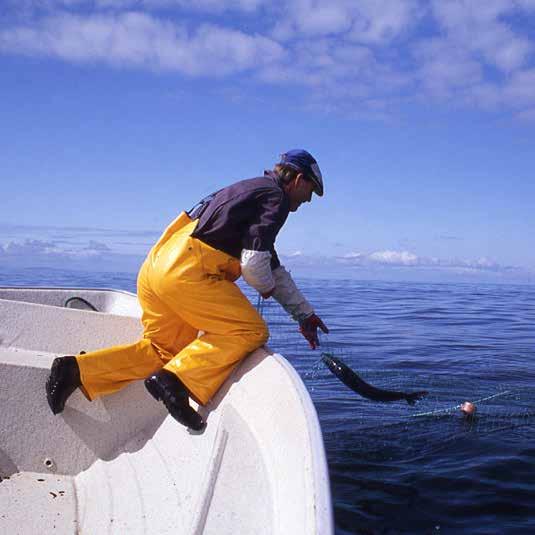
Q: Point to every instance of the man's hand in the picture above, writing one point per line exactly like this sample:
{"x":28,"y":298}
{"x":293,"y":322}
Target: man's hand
{"x":309,"y":329}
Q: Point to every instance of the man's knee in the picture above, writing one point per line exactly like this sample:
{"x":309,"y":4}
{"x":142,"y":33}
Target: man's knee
{"x":259,"y":336}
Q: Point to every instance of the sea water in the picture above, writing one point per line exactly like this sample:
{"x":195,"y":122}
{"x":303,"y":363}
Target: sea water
{"x":395,"y":468}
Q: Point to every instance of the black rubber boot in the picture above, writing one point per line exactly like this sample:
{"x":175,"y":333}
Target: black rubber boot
{"x":64,"y":379}
{"x":166,"y":386}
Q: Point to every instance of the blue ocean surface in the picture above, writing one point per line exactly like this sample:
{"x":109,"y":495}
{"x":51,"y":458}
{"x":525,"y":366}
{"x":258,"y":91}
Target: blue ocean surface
{"x":396,"y":468}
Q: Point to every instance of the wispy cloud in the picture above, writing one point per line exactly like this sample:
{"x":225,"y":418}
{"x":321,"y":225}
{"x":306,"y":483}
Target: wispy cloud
{"x":404,"y":259}
{"x":94,"y":256}
{"x":394,"y":258}
{"x":409,"y":259}
{"x":89,"y":256}
{"x":141,"y":40}
{"x":369,"y":55}
{"x":482,"y":29}
{"x":72,"y":242}
{"x":40,"y":248}
{"x":406,"y":266}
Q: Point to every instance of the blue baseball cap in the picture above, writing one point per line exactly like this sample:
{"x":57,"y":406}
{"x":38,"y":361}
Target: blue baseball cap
{"x":303,"y":161}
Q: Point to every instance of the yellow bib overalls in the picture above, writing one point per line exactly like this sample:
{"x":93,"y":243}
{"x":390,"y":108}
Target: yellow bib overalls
{"x":184,"y":286}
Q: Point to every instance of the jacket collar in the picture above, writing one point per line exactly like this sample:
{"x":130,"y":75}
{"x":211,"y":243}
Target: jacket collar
{"x":274,"y":176}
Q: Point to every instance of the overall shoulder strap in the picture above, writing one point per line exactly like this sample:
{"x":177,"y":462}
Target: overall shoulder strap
{"x":197,"y":210}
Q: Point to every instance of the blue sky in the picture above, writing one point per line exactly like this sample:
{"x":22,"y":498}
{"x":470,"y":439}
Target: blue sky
{"x":117,"y":114}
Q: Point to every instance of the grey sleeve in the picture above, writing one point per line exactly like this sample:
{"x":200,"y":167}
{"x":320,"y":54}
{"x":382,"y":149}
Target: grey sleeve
{"x":289,"y":296}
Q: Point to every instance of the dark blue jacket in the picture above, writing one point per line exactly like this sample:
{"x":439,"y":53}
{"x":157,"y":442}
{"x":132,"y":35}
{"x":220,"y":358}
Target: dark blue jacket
{"x":244,"y":215}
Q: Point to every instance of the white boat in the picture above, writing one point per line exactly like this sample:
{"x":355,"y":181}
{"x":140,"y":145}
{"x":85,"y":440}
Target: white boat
{"x":121,"y":464}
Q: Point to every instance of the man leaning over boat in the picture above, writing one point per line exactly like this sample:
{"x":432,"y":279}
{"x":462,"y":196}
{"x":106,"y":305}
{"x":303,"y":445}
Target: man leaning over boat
{"x":197,"y":324}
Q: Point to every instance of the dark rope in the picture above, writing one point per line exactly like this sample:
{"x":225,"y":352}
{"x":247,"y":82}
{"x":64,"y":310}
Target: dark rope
{"x":84,"y":301}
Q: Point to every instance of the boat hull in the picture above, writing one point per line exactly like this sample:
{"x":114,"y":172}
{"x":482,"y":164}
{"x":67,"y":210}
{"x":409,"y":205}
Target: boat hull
{"x":120,"y":464}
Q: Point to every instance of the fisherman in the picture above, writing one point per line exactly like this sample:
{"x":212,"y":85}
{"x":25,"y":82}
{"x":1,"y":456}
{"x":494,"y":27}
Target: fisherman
{"x":197,"y":323}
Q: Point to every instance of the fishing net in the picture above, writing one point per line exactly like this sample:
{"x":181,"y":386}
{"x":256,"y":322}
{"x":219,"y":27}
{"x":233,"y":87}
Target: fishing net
{"x":504,"y":403}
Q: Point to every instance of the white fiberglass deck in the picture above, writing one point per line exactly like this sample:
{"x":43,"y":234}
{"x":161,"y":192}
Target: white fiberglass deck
{"x":121,"y":465}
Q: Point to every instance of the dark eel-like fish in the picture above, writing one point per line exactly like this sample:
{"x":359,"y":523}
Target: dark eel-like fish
{"x":353,"y":381}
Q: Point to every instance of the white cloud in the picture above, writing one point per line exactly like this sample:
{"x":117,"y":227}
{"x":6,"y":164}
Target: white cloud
{"x":322,"y":64}
{"x":406,"y":266}
{"x":354,"y":256}
{"x":51,"y":249}
{"x":407,"y":259}
{"x":381,"y":21}
{"x":520,"y":89}
{"x":364,"y":57}
{"x":313,"y":18}
{"x":98,"y":256}
{"x":479,"y":27}
{"x":486,"y":96}
{"x":396,"y":258}
{"x":445,"y":67}
{"x":30,"y":248}
{"x":60,"y":253}
{"x":367,"y":21}
{"x":91,"y":256}
{"x":387,"y":257}
{"x":137,"y":39}
{"x":485,"y":263}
